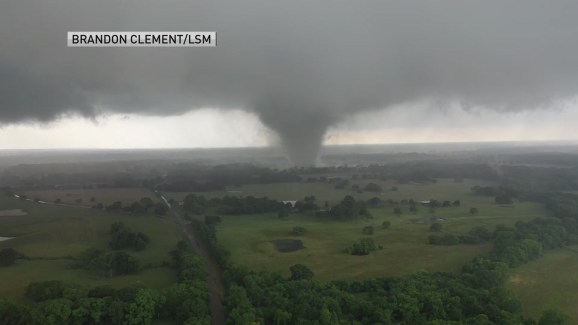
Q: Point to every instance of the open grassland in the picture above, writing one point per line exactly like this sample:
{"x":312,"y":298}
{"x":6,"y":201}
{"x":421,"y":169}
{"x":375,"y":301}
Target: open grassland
{"x":405,"y":248}
{"x":16,"y":277}
{"x":105,"y":196}
{"x":50,"y":231}
{"x":550,"y":282}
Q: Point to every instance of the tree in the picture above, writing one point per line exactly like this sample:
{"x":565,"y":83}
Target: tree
{"x":436,"y":227}
{"x":8,"y":256}
{"x":473,"y":211}
{"x":142,"y":309}
{"x":300,"y":272}
{"x":363,"y":247}
{"x":186,"y":301}
{"x":55,"y":312}
{"x":137,"y":208}
{"x":349,"y":209}
{"x":46,"y":290}
{"x":374,"y":202}
{"x":397,"y":211}
{"x":503,"y":198}
{"x":368,"y":230}
{"x":554,"y":317}
{"x":283,"y":213}
{"x":161,"y":209}
{"x":241,"y":311}
{"x":372,"y":187}
{"x":115,"y":206}
{"x":386,"y":224}
{"x":13,"y":313}
{"x":123,"y":238}
{"x":121,"y":263}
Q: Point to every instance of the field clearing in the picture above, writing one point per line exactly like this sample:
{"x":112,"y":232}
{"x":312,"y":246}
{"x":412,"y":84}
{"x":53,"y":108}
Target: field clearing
{"x":23,"y":272}
{"x":550,"y":282}
{"x":50,"y":231}
{"x":105,"y":196}
{"x":444,"y":189}
{"x":405,"y":249}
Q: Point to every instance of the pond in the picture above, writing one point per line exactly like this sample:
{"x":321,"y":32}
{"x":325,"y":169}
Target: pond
{"x":288,"y":245}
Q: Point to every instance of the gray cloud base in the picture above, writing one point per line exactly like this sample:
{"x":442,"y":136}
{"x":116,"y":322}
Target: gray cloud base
{"x":301,"y":66}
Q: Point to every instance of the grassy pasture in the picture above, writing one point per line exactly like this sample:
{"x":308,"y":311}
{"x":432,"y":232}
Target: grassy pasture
{"x":16,"y":277}
{"x":550,"y":282}
{"x":405,"y":247}
{"x":50,"y":231}
{"x":105,"y":196}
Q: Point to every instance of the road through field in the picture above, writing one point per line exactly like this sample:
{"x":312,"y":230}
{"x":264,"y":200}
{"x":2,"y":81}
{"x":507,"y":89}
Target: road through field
{"x":214,"y":281}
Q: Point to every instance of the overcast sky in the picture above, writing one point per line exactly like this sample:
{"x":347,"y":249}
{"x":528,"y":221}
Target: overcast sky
{"x":292,"y":73}
{"x":207,"y":128}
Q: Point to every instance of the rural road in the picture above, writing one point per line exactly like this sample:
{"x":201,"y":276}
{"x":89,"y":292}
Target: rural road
{"x":214,"y":282}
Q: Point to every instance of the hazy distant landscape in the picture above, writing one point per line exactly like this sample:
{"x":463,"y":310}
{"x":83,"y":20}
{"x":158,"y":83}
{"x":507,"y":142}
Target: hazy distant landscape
{"x":365,"y":213}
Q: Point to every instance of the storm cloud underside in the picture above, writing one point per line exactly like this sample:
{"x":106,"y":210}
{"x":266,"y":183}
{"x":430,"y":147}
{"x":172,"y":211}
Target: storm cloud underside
{"x":301,"y":66}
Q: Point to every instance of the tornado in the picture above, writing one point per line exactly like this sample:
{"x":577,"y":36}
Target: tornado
{"x":300,"y":66}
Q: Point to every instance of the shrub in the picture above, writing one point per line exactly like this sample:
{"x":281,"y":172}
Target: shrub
{"x":123,"y":238}
{"x":8,"y":256}
{"x":363,"y":247}
{"x":372,"y":187}
{"x":368,"y":230}
{"x":300,"y":272}
{"x":436,"y":227}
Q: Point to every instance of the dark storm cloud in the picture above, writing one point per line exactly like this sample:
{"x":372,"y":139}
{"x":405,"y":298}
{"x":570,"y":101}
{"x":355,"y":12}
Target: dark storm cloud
{"x":302,"y":66}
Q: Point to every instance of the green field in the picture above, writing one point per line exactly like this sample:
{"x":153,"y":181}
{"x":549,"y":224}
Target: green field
{"x":405,"y":248}
{"x":550,"y":282}
{"x":50,"y":231}
{"x":60,"y":231}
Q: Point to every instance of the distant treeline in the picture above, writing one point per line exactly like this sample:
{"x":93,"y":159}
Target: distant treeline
{"x":218,"y":177}
{"x":197,"y":204}
{"x":191,"y":177}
